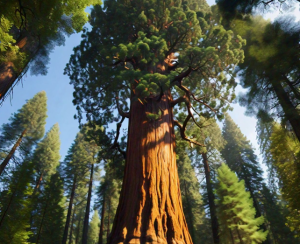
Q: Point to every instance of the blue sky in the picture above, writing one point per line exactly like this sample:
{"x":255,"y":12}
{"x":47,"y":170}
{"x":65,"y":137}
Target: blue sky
{"x":60,"y":96}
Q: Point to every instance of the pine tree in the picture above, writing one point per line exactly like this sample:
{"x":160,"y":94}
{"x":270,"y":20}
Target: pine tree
{"x":46,"y":156}
{"x":77,"y":172}
{"x":236,"y":213}
{"x":240,"y":157}
{"x":284,"y":150}
{"x":191,"y":198}
{"x":51,"y":208}
{"x":46,"y":160}
{"x":94,"y":229}
{"x":15,"y":203}
{"x":161,"y":47}
{"x":272,"y":85}
{"x":29,"y":31}
{"x":26,"y":126}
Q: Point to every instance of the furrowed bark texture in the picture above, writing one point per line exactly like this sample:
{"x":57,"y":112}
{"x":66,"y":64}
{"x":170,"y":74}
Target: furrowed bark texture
{"x":150,"y":207}
{"x":211,"y":201}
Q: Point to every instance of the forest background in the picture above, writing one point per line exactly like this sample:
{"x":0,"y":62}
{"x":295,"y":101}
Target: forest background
{"x":60,"y":93}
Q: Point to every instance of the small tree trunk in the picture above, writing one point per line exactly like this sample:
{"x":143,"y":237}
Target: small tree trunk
{"x":87,"y":210}
{"x":8,"y":206}
{"x":11,"y":153}
{"x":108,"y":220}
{"x":211,"y":200}
{"x":102,"y":221}
{"x":65,"y":236}
{"x":78,"y":229}
{"x":150,"y":206}
{"x":41,"y":225}
{"x":72,"y":227}
{"x":288,"y":108}
{"x":189,"y":213}
{"x":38,"y":183}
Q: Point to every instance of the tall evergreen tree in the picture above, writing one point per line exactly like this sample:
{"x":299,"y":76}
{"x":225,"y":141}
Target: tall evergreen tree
{"x":46,"y":156}
{"x":240,"y":157}
{"x":77,"y":171}
{"x":94,"y":229}
{"x":191,"y":199}
{"x":284,"y":150}
{"x":15,"y":203}
{"x":46,"y":160}
{"x":27,"y":125}
{"x":51,"y":208}
{"x":236,"y":213}
{"x":160,"y":48}
{"x":29,"y":31}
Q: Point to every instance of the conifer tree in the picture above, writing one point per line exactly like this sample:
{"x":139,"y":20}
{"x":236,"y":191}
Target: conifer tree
{"x":29,"y":31}
{"x":284,"y":150}
{"x":26,"y":126}
{"x":272,"y":85}
{"x":240,"y":157}
{"x":77,"y":171}
{"x":51,"y":209}
{"x":191,"y":198}
{"x":15,"y":203}
{"x":46,"y":160}
{"x":94,"y":229}
{"x":160,"y":48}
{"x":236,"y":213}
{"x":46,"y":156}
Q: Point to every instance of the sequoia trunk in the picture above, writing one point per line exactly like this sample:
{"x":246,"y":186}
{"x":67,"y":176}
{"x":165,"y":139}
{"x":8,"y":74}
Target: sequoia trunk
{"x":211,"y":200}
{"x":150,"y":207}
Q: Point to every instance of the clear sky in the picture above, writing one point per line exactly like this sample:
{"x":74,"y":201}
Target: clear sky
{"x":60,"y":96}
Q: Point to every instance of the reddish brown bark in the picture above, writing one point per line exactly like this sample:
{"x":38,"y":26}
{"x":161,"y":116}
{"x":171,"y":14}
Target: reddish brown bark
{"x":150,"y":207}
{"x":11,"y":153}
{"x":8,"y":76}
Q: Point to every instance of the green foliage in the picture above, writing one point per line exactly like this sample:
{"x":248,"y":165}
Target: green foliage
{"x":46,"y":156}
{"x":8,"y":49}
{"x":156,"y":42}
{"x":284,"y":150}
{"x":32,"y":118}
{"x":50,"y":212}
{"x":15,"y":203}
{"x":94,"y":229}
{"x":191,"y":198}
{"x":30,"y":30}
{"x":236,"y":213}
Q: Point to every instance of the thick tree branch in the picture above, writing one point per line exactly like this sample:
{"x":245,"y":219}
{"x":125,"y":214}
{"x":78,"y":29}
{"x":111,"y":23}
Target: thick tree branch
{"x":116,"y":143}
{"x":121,"y":112}
{"x":182,"y":131}
{"x":177,"y":101}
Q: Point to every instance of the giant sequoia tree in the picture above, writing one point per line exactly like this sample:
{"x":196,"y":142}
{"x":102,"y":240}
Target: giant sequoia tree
{"x":153,"y":55}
